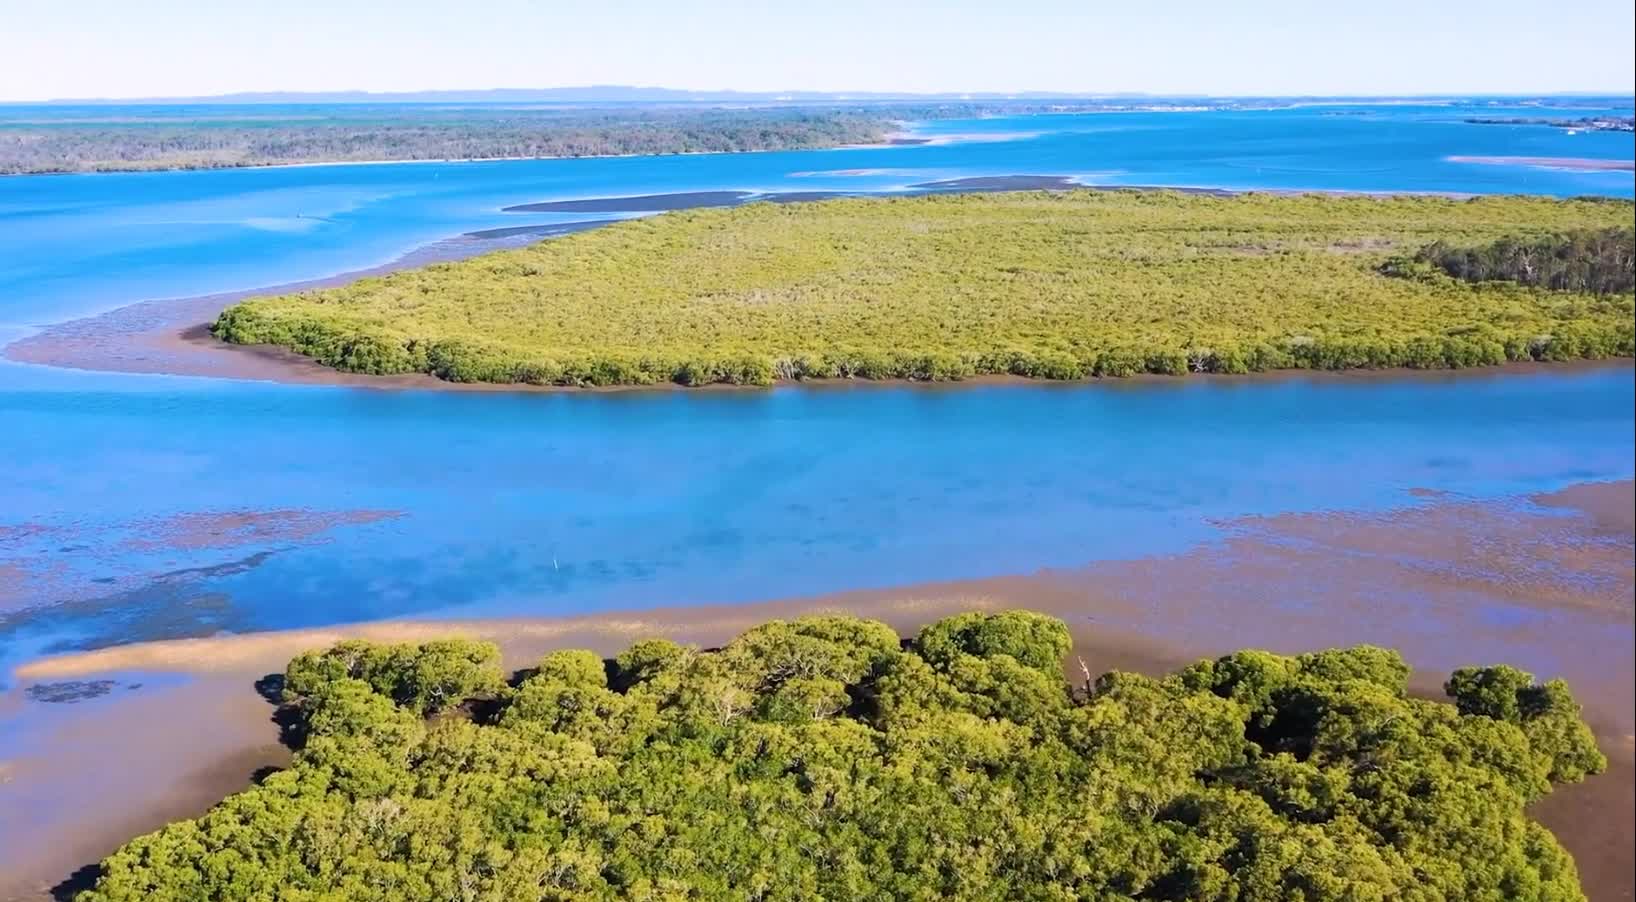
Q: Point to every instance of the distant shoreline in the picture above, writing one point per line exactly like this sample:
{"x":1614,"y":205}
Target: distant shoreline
{"x":888,"y":139}
{"x":311,"y":164}
{"x":1583,"y":124}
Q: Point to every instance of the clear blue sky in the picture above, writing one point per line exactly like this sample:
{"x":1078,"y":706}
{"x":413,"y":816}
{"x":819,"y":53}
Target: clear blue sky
{"x":119,"y":48}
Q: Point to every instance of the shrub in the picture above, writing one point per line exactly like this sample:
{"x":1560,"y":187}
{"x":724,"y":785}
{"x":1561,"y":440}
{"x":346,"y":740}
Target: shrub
{"x":823,"y":758}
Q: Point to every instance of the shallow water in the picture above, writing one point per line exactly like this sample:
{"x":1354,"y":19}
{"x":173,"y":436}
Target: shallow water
{"x":209,"y":506}
{"x":139,"y":507}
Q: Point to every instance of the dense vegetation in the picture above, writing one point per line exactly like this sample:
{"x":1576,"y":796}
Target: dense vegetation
{"x":823,"y":759}
{"x":1585,"y":260}
{"x":1050,"y":285}
{"x":255,"y":137}
{"x":1588,"y":123}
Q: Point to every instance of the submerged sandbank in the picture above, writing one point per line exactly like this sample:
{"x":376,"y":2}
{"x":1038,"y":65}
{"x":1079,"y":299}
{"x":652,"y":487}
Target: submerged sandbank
{"x":689,"y":200}
{"x":1568,"y":164}
{"x":641,"y":203}
{"x":1544,"y":583}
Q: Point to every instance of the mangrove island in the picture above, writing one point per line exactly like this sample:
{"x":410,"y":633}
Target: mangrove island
{"x":826,"y":758}
{"x":1046,"y":284}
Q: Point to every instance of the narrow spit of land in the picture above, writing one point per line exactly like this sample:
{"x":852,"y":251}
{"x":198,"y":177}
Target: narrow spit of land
{"x":940,"y":286}
{"x":42,"y":141}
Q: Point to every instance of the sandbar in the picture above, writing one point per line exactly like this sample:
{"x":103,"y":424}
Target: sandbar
{"x":642,"y":203}
{"x":1570,"y":164}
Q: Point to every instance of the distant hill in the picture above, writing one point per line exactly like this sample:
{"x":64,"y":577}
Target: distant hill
{"x":585,"y":94}
{"x":647,"y":95}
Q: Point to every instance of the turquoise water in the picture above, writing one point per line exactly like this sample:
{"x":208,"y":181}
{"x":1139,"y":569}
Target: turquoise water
{"x":138,"y":507}
{"x":549,"y":503}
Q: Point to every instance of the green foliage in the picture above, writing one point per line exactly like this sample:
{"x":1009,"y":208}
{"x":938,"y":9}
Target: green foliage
{"x":1059,"y":285}
{"x":1595,"y":261}
{"x":1547,"y":714}
{"x":427,"y":678}
{"x":1381,"y":666}
{"x":1033,"y":640}
{"x":394,"y":132}
{"x":823,"y":758}
{"x":1489,"y":691}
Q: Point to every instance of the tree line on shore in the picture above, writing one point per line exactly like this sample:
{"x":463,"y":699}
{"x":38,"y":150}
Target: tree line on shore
{"x":212,"y":135}
{"x":411,"y":134}
{"x":1593,"y":261}
{"x":1047,"y":285}
{"x":825,"y":758}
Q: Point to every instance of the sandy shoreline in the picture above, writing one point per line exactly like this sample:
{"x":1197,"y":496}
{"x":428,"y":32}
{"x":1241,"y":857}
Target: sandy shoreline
{"x":1544,"y":583}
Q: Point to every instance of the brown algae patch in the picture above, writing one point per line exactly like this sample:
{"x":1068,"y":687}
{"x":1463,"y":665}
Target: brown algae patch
{"x":42,"y":564}
{"x":231,"y":529}
{"x":70,"y":691}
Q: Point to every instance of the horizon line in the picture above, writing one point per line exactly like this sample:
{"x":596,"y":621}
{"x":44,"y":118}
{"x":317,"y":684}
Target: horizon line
{"x":796,"y":95}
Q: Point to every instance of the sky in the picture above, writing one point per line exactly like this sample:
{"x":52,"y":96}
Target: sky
{"x":156,"y":48}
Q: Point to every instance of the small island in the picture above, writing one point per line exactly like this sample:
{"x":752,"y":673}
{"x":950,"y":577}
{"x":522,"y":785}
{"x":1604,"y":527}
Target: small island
{"x":826,"y":758}
{"x":1583,"y":124}
{"x":1044,"y":284}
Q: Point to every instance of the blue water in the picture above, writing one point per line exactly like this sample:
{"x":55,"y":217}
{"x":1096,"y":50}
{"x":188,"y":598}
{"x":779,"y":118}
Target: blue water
{"x":335,"y":505}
